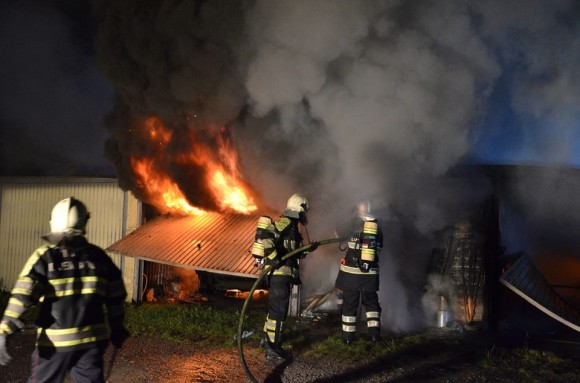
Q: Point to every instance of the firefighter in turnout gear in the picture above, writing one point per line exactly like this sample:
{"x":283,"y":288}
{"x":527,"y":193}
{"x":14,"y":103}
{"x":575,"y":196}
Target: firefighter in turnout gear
{"x":81,"y":296}
{"x":358,"y":277}
{"x":284,"y":236}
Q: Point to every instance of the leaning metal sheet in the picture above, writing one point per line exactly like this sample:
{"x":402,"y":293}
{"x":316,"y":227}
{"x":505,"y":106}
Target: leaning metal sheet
{"x":524,"y":279}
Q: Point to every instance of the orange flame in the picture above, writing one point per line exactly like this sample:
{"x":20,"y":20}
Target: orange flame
{"x":223,"y":177}
{"x":163,"y":193}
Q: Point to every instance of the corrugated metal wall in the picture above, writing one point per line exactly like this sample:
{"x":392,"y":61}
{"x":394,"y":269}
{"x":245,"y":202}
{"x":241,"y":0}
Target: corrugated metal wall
{"x":25,"y":213}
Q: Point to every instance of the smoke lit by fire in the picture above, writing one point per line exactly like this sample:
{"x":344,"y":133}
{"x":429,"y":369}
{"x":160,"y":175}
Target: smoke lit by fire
{"x":221,"y":173}
{"x":341,"y":101}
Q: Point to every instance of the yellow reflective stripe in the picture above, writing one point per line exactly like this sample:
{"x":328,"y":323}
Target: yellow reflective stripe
{"x":21,"y":291}
{"x":353,"y":245}
{"x":68,"y":284}
{"x":367,"y":255}
{"x":282,"y":223}
{"x":71,"y":336}
{"x":4,"y":328}
{"x":71,"y":330}
{"x":15,"y":308}
{"x":24,"y":284}
{"x":15,"y":301}
{"x":372,"y":314}
{"x":12,"y":314}
{"x":284,"y":270}
{"x":349,"y":319}
{"x":347,"y":328}
{"x":60,"y":281}
{"x":65,"y":293}
{"x":70,"y":343}
{"x":356,"y":270}
{"x":89,"y":290}
{"x":373,"y":323}
{"x":273,"y":255}
{"x":370,"y":227}
{"x":33,"y":259}
{"x":271,"y":336}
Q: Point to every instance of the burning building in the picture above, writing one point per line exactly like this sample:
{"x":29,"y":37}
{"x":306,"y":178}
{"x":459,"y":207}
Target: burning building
{"x":182,"y":254}
{"x":349,"y":101}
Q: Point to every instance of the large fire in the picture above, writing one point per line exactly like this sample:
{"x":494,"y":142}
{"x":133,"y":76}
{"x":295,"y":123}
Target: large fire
{"x":220,"y":165}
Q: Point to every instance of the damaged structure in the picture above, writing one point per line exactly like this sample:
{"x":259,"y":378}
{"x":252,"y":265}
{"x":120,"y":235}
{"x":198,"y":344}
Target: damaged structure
{"x":206,"y":244}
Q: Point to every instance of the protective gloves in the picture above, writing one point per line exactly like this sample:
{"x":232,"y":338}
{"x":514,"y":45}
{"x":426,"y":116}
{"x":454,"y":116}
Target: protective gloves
{"x":118,"y":336}
{"x":5,"y":358}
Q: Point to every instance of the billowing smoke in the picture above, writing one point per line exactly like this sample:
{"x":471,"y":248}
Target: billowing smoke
{"x":342,"y":101}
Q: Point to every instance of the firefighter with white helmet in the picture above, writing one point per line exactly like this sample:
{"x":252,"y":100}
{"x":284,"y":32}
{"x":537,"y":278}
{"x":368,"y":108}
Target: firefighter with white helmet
{"x":81,"y":296}
{"x":286,"y":238}
{"x":358,"y":276}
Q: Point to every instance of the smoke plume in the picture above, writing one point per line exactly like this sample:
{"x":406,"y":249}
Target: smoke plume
{"x":344,"y":101}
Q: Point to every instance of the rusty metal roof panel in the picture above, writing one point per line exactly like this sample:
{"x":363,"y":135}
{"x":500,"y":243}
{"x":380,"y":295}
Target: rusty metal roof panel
{"x":209,"y":242}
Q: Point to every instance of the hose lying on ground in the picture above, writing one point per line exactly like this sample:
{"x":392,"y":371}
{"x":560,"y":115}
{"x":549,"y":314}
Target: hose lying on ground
{"x":255,"y":286}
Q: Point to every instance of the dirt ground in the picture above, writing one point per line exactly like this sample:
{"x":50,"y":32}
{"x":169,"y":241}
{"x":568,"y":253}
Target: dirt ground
{"x":152,"y":359}
{"x":148,"y":359}
{"x":440,"y":356}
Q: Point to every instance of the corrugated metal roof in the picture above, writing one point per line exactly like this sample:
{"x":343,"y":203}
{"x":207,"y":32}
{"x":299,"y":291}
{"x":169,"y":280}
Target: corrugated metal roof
{"x":209,"y":242}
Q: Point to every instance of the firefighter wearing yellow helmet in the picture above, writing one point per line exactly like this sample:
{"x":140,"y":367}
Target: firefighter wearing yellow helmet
{"x":358,"y":276}
{"x":286,"y":238}
{"x":81,"y":296}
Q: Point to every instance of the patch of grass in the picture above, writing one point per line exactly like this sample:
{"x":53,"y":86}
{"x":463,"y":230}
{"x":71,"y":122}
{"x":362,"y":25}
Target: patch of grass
{"x":530,"y":365}
{"x":362,"y":349}
{"x":193,"y":321}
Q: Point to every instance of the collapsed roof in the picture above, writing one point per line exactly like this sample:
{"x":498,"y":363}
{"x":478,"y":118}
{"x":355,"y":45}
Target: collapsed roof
{"x":210,"y":242}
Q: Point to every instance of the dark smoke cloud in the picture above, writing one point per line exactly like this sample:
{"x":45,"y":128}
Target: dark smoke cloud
{"x":348,"y":100}
{"x":52,"y":97}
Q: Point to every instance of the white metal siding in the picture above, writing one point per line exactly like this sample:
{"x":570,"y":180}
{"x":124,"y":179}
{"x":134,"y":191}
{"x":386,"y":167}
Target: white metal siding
{"x":25,"y":213}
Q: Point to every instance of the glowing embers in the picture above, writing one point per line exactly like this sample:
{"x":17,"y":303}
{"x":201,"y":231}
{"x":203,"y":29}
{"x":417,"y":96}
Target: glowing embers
{"x":258,"y":295}
{"x":206,"y":161}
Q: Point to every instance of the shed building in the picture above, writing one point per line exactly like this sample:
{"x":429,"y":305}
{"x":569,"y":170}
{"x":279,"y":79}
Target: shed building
{"x":25,"y":207}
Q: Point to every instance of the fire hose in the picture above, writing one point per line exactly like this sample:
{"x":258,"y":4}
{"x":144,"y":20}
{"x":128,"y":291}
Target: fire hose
{"x":255,"y":286}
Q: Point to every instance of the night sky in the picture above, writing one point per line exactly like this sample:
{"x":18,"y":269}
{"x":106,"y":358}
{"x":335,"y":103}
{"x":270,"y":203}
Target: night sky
{"x":52,"y":96}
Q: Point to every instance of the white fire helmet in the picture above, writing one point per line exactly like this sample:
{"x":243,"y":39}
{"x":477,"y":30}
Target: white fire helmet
{"x":364,"y":211}
{"x":297,"y":203}
{"x":69,"y":216}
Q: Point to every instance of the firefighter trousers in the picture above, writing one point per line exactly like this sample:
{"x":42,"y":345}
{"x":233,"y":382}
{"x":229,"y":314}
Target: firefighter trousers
{"x":350,"y":303}
{"x":85,"y":366}
{"x":279,"y":291}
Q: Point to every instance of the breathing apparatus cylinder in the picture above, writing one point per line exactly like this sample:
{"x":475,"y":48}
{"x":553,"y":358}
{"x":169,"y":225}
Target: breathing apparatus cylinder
{"x":263,"y":246}
{"x":369,"y":241}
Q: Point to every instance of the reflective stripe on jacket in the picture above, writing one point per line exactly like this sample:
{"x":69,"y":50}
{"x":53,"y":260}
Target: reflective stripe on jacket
{"x":288,"y":238}
{"x":80,"y":291}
